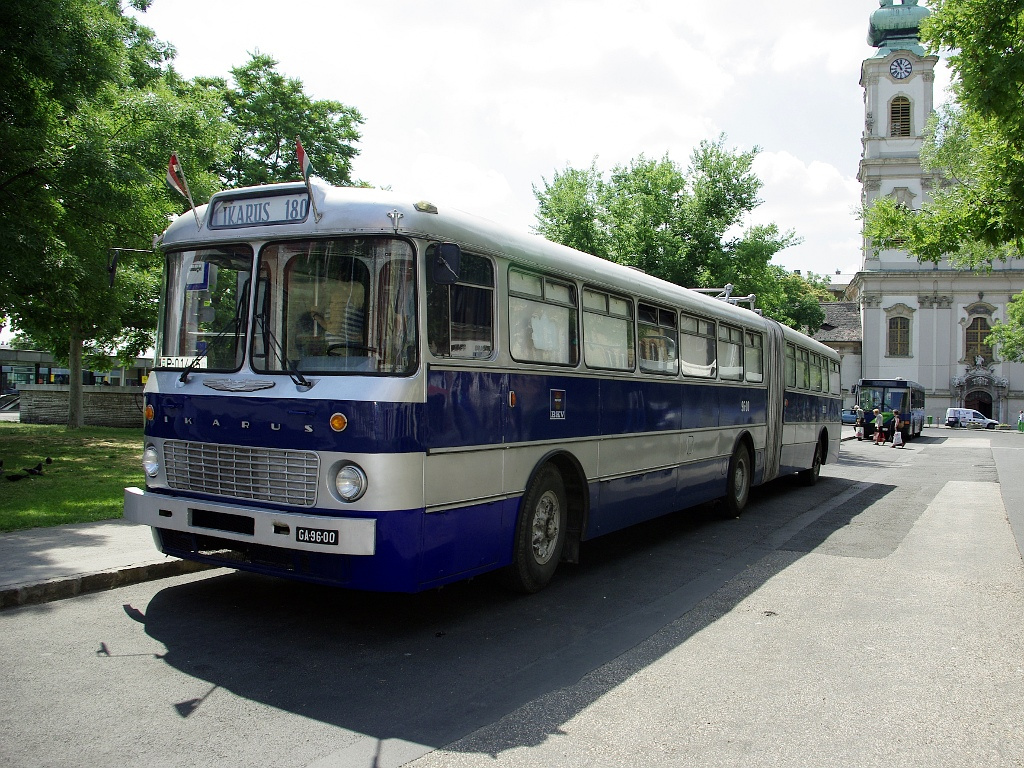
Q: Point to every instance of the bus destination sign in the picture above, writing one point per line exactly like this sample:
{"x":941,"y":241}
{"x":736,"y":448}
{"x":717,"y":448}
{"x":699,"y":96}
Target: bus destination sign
{"x":259,"y":211}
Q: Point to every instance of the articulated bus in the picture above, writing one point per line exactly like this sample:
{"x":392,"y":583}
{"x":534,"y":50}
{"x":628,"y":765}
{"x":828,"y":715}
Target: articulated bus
{"x":384,"y":394}
{"x":888,"y":395}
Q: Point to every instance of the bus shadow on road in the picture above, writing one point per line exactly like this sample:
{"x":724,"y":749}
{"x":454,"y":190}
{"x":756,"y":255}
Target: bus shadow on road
{"x":435,"y":667}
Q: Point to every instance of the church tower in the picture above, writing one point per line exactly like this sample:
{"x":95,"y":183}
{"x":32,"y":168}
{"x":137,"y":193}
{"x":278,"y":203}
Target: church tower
{"x":899,"y":84}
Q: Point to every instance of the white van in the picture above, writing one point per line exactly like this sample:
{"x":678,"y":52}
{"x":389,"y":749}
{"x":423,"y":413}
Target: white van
{"x":965,"y":417}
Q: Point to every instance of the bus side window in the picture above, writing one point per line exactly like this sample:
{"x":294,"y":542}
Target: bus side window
{"x":753,"y":357}
{"x":607,"y":331}
{"x":460,"y":316}
{"x":542,"y":319}
{"x":698,"y":348}
{"x":790,"y":366}
{"x":659,"y":347}
{"x":730,"y":353}
{"x":803,"y":370}
{"x":815,"y":373}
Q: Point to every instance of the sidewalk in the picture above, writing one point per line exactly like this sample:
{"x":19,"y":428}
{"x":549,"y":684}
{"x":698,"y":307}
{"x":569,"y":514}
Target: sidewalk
{"x":43,"y":564}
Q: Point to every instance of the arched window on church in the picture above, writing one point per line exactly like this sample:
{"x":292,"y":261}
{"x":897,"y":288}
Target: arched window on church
{"x":977,"y":332}
{"x":899,"y":337}
{"x":899,"y":116}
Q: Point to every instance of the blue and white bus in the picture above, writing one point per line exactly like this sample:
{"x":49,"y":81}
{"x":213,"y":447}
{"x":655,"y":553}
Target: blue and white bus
{"x":385,"y":394}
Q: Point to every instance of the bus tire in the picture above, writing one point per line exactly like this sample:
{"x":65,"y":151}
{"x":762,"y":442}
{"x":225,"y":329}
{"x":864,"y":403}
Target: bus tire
{"x":540,"y":532}
{"x":810,"y":476}
{"x":737,"y":488}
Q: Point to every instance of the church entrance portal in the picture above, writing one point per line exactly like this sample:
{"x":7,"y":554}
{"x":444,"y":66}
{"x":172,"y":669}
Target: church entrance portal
{"x":979,"y":401}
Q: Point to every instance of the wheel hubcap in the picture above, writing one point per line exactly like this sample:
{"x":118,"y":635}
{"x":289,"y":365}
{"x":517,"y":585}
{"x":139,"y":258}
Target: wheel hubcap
{"x":544,"y":534}
{"x":739,"y":480}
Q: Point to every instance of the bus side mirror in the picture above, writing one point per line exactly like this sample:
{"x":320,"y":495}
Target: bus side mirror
{"x":445,"y":263}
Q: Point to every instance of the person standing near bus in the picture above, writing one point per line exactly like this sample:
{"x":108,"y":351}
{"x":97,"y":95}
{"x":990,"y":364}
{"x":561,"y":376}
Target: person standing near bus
{"x":897,"y":434}
{"x":1020,"y":422}
{"x":879,"y":424}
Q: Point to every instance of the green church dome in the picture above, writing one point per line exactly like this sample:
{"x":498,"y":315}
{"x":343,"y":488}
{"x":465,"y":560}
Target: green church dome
{"x":897,"y":27}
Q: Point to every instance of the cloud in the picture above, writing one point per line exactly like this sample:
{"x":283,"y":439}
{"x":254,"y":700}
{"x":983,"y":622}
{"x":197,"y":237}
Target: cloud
{"x":816,"y":201}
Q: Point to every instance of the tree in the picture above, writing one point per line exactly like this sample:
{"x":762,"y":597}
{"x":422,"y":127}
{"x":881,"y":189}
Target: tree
{"x":568,"y":210}
{"x":794,"y":300}
{"x":82,"y":175}
{"x":1009,"y":335}
{"x":675,"y":224}
{"x":267,"y":111}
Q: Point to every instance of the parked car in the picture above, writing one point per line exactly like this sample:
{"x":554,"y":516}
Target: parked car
{"x":966,"y":417}
{"x":849,"y":415}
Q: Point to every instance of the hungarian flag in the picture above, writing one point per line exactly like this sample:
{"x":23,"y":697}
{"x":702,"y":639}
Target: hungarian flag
{"x":304,"y":164}
{"x":175,"y":177}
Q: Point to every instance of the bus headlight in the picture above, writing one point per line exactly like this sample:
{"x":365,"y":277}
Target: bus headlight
{"x":151,"y":461}
{"x":350,"y":482}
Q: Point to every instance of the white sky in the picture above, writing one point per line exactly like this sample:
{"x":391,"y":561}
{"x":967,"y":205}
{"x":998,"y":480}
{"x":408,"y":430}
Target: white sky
{"x":470,"y":103}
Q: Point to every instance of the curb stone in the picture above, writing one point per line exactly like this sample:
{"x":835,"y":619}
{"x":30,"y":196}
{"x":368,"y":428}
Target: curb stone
{"x":72,"y":586}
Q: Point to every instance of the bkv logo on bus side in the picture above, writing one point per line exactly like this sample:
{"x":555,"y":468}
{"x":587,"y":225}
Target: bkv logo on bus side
{"x":557,"y":403}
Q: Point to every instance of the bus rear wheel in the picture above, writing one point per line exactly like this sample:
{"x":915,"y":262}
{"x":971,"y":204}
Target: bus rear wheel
{"x":737,"y":491}
{"x":810,"y":476}
{"x":540,"y":532}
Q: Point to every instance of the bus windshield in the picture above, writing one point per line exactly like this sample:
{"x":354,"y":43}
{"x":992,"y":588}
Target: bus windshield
{"x":205,"y":310}
{"x":884,"y":399}
{"x":344,"y":305}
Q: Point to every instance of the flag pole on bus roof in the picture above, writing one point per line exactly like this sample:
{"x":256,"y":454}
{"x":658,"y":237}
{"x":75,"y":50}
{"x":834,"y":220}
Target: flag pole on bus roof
{"x":307,"y":173}
{"x":176,"y":181}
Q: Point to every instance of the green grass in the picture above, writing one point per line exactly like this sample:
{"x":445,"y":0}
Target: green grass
{"x":85,"y":482}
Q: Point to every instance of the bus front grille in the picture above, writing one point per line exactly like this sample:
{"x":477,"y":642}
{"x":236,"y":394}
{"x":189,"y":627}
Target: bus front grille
{"x":261,"y":474}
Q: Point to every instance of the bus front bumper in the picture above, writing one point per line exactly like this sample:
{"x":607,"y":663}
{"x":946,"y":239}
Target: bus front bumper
{"x":308,"y":533}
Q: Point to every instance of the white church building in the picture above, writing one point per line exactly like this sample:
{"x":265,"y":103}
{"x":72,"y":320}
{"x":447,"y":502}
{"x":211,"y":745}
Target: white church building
{"x":923,"y":322}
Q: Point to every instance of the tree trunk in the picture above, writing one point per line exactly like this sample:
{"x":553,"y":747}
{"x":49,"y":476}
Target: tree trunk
{"x":76,"y":416}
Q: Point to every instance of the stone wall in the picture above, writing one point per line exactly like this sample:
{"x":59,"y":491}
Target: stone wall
{"x":102,"y":406}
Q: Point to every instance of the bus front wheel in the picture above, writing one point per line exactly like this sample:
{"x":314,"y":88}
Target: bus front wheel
{"x":540,"y":532}
{"x":738,"y":483}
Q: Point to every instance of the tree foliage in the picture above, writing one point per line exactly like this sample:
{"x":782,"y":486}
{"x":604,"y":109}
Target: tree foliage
{"x":1009,"y":335}
{"x":91,"y":108}
{"x":680,"y":225}
{"x":267,"y":110}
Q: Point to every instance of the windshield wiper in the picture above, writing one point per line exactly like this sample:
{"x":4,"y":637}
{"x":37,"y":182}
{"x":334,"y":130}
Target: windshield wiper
{"x":234,"y":324}
{"x":271,"y":342}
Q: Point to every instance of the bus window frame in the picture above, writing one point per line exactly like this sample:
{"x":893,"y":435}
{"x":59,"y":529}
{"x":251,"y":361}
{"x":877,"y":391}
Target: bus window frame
{"x":572,"y":305}
{"x":461,"y":282}
{"x":663,"y":324}
{"x":708,"y":335}
{"x":726,"y":332}
{"x":607,"y":312}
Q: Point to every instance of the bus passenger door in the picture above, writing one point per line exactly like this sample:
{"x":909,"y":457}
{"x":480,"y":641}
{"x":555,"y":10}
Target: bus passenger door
{"x":463,"y":471}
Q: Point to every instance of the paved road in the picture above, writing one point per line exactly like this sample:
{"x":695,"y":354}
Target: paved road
{"x":875,"y":619}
